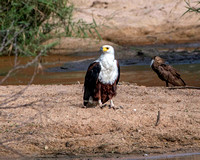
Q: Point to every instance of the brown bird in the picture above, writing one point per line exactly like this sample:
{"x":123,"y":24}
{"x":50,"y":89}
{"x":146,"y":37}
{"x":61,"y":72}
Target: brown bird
{"x":166,"y":72}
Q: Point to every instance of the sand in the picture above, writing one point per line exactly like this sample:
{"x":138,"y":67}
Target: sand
{"x":132,"y":23}
{"x":49,"y":120}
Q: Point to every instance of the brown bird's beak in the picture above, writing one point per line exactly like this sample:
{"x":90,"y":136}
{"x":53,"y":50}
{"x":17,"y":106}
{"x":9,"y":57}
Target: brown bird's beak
{"x":152,"y":61}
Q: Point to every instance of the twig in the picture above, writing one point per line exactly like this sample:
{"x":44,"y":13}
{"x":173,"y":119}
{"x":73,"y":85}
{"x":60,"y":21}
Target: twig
{"x":4,"y":44}
{"x":16,"y":52}
{"x":183,"y":87}
{"x":12,"y":150}
{"x":22,"y":66}
{"x":158,"y":119}
{"x":15,"y":96}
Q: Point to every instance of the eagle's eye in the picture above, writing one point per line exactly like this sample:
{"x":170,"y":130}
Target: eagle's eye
{"x":107,"y":48}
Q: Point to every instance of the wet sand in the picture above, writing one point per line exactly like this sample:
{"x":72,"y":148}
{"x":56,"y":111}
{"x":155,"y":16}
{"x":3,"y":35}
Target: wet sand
{"x":50,"y":120}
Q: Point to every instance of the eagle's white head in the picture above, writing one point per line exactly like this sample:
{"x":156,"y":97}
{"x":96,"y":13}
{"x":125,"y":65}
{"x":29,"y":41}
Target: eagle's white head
{"x":107,"y":49}
{"x":109,"y":69}
{"x":108,"y":53}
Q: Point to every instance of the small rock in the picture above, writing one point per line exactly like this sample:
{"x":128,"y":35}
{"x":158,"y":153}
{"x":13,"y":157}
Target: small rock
{"x":46,"y":147}
{"x":145,"y":155}
{"x":121,"y":107}
{"x":78,"y":82}
{"x":134,"y":110}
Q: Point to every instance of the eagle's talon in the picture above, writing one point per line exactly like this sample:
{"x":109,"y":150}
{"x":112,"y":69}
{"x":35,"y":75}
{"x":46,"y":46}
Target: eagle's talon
{"x":104,"y":105}
{"x":113,"y":107}
{"x":83,"y":106}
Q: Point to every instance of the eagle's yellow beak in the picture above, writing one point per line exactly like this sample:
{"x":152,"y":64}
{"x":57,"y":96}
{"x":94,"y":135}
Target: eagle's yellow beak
{"x":104,"y":49}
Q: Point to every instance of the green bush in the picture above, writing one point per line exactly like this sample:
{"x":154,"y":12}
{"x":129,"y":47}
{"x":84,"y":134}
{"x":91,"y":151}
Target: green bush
{"x":25,"y":25}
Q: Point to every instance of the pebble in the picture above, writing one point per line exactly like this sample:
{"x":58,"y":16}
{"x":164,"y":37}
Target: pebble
{"x":145,"y":155}
{"x":46,"y":147}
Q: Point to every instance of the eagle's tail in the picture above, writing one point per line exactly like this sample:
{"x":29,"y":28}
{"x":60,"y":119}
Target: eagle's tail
{"x":86,"y":96}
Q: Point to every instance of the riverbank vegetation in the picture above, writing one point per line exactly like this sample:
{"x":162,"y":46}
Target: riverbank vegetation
{"x":25,"y":25}
{"x":192,"y":8}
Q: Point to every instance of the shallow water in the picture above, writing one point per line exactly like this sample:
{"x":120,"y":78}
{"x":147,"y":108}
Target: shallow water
{"x":193,"y":157}
{"x":53,"y":73}
{"x":184,"y":156}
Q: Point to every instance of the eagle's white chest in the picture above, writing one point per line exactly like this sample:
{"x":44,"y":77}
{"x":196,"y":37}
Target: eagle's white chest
{"x":109,"y":71}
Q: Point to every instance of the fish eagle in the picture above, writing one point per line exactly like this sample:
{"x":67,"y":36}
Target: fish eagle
{"x":166,"y":72}
{"x":101,"y":79}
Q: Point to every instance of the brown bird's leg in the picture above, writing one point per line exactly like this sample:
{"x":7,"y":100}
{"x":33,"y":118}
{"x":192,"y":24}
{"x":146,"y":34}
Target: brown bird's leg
{"x":167,"y":84}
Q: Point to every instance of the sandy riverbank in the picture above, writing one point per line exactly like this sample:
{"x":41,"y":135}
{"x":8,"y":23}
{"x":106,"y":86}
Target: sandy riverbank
{"x":132,"y":23}
{"x":50,"y":120}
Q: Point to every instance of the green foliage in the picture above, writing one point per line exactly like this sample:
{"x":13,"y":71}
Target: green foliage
{"x":190,"y":8}
{"x":25,"y":25}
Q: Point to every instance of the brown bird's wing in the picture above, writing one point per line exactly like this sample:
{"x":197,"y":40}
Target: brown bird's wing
{"x":171,"y":75}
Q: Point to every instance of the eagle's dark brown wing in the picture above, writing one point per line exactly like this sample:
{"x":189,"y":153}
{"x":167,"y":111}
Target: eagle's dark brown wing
{"x":170,"y":75}
{"x":91,"y":79}
{"x":118,"y":66}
